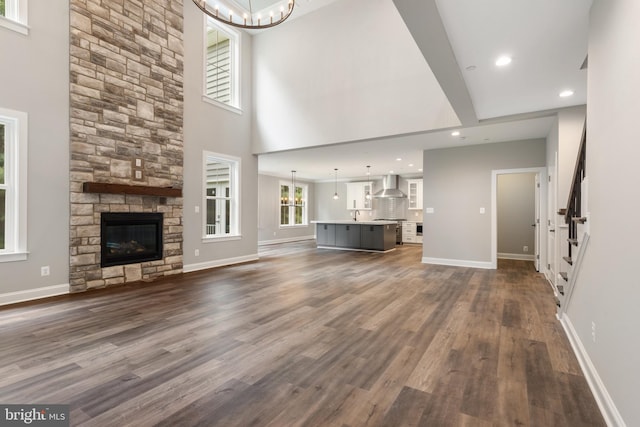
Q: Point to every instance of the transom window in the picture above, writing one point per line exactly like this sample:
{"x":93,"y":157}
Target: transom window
{"x":221,"y":195}
{"x":222,"y":65}
{"x":293,"y":204}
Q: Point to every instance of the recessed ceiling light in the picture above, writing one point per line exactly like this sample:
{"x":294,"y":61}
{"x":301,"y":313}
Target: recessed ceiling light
{"x":503,"y":60}
{"x":455,"y":133}
{"x":390,"y":171}
{"x":410,"y":165}
{"x":566,"y":93}
{"x":420,"y":170}
{"x":398,"y":159}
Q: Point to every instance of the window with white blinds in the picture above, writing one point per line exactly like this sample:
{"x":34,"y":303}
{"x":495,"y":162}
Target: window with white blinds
{"x":221,"y":64}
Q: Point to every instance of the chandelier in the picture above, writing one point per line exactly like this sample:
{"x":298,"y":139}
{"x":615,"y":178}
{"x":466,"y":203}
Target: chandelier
{"x":241,"y":13}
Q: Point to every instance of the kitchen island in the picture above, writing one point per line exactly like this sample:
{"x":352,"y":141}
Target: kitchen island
{"x":370,"y":236}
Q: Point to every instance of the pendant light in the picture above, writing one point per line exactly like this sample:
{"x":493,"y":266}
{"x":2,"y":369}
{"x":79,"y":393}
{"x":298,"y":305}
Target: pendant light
{"x":292,"y":191}
{"x":335,"y":194}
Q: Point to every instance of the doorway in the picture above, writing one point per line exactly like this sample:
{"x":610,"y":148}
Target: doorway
{"x":519,"y":198}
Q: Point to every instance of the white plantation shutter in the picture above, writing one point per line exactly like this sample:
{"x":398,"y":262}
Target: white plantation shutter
{"x":218,"y":77}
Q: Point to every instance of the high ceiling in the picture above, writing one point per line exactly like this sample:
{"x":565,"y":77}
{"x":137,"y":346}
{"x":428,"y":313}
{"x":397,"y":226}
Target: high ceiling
{"x":547,"y":41}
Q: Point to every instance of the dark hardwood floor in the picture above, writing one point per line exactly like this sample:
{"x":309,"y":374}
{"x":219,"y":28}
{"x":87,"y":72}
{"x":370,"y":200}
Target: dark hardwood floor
{"x":304,"y":337}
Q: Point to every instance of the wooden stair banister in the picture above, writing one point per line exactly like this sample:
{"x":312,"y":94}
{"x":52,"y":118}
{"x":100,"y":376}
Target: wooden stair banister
{"x":573,"y":212}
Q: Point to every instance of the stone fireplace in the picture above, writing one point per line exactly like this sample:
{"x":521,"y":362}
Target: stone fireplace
{"x":127,"y":107}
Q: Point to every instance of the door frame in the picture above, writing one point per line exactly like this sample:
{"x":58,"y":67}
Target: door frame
{"x":541,"y":230}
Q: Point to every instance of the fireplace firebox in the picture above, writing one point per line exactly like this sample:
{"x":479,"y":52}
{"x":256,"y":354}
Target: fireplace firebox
{"x":128,"y":238}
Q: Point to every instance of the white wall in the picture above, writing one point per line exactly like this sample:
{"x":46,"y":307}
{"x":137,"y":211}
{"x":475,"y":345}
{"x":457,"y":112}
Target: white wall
{"x":457,"y":183}
{"x":608,"y":289}
{"x":269,"y":229}
{"x":212,"y":128}
{"x":516,"y":213}
{"x":347,"y":72}
{"x":35,"y":80}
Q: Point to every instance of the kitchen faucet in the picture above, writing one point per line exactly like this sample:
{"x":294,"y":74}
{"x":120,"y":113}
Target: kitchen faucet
{"x":355,"y":214}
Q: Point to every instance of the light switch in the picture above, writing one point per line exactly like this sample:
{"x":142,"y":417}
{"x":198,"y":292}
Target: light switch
{"x":197,"y":209}
{"x":430,"y":210}
{"x":481,"y":210}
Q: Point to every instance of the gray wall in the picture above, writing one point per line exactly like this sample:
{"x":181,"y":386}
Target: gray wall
{"x":457,"y":183}
{"x":212,"y":128}
{"x":269,"y":211}
{"x":516,"y":213}
{"x":329,"y":76}
{"x":608,"y":289}
{"x":35,"y":80}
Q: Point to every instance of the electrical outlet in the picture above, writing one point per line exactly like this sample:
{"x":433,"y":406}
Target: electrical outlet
{"x":482,"y":210}
{"x":44,"y":271}
{"x":197,"y":252}
{"x":430,"y":210}
{"x":525,"y":249}
{"x":197,"y":209}
{"x":593,"y":331}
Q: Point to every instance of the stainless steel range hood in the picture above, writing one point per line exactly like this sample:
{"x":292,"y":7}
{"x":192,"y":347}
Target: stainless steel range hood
{"x":390,"y":188}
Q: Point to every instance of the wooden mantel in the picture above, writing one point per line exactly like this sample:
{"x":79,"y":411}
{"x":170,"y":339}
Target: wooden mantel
{"x":140,"y":190}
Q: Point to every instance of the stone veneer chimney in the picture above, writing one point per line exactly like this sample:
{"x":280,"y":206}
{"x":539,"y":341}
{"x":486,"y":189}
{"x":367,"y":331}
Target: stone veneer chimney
{"x":126,"y":88}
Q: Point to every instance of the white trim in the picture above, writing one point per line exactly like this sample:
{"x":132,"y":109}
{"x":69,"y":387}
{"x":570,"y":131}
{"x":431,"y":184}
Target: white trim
{"x":16,"y":162}
{"x":607,"y":407}
{"x":236,"y":64}
{"x":286,"y":240}
{"x":542,"y":173}
{"x":458,"y":263}
{"x":222,"y":238}
{"x":13,"y":256}
{"x":574,"y":271}
{"x":235,"y":193}
{"x":219,"y":263}
{"x":33,"y":294}
{"x":228,"y":107}
{"x":12,"y":25}
{"x":518,"y":257}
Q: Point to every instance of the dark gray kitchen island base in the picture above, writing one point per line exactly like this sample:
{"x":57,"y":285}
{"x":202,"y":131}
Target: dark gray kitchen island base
{"x":373,"y":236}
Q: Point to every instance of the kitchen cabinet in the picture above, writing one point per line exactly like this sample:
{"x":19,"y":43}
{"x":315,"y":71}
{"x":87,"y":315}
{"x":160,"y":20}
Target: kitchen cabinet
{"x":411,"y":232}
{"x":357,"y":195}
{"x":370,"y":236}
{"x":326,"y":234}
{"x":378,"y":237}
{"x":414,"y":193}
{"x":348,"y":235}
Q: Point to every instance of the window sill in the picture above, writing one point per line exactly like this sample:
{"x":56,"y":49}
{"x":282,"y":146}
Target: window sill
{"x":287,"y":227}
{"x":13,"y":256}
{"x":12,"y":25}
{"x":227,"y":107}
{"x":225,"y":238}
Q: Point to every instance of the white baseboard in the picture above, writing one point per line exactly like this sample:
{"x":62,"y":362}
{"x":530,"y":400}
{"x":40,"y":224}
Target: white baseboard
{"x":518,"y":257}
{"x":219,"y":263}
{"x":286,"y":240}
{"x":33,"y":294}
{"x":457,"y":263}
{"x":608,"y":409}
